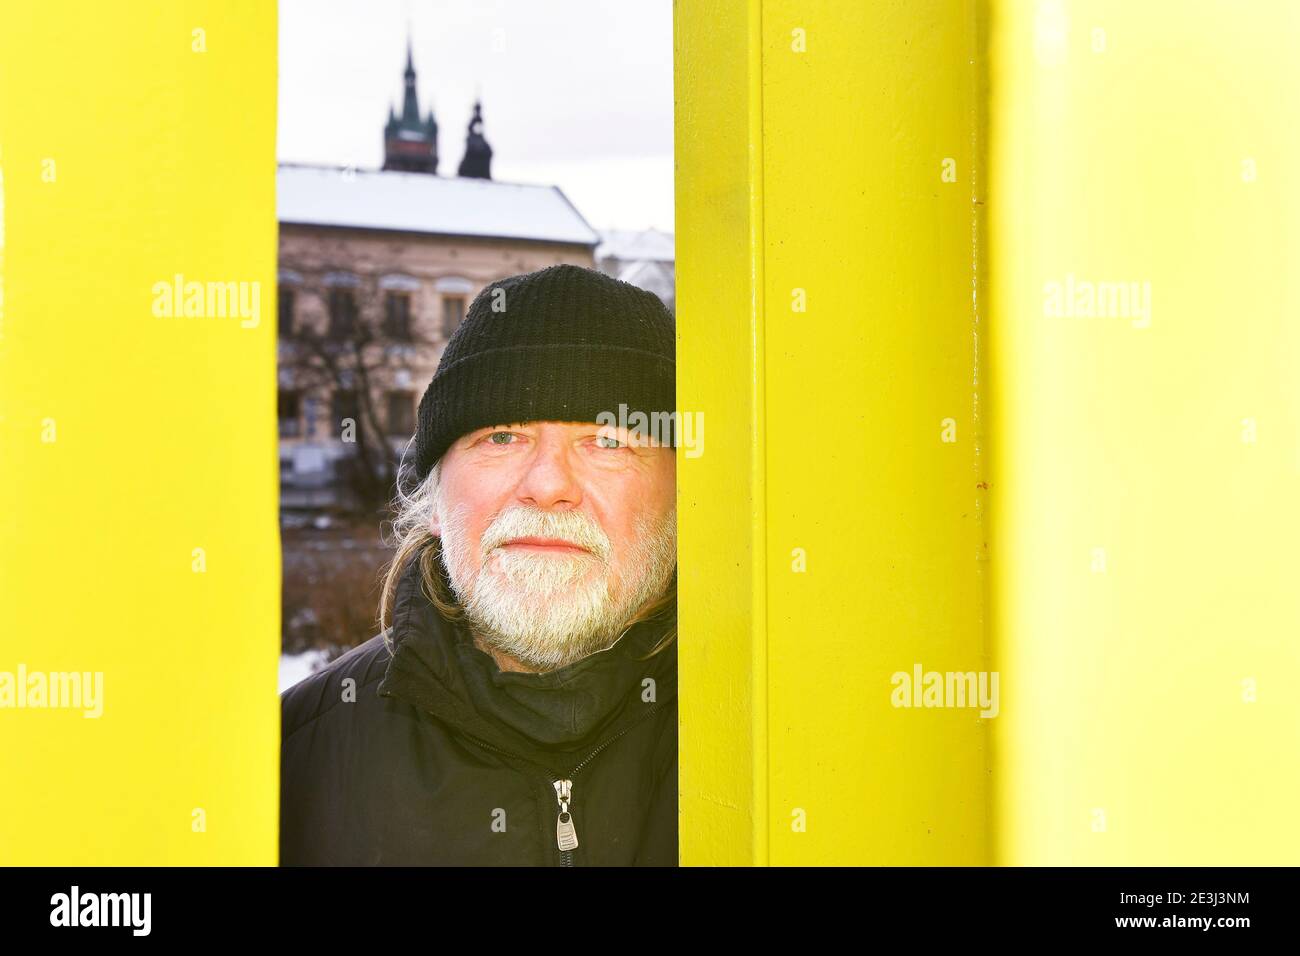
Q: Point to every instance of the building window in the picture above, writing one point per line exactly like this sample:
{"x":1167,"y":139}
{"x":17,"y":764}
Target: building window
{"x":343,"y":314}
{"x":397,"y":316}
{"x":310,"y":414}
{"x":286,"y":312}
{"x":401,"y":414}
{"x":344,"y":404}
{"x":287,"y":411}
{"x":453,"y":311}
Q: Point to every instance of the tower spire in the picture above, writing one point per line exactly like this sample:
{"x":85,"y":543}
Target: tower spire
{"x":477,"y":163}
{"x":410,"y":101}
{"x":411,"y":143}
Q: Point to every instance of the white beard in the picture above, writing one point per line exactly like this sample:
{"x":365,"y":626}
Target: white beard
{"x":549,"y":610}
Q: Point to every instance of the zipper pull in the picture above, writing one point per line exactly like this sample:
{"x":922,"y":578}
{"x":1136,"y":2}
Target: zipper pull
{"x":566,"y":837}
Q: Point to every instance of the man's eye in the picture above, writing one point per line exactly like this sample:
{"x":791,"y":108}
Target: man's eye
{"x":492,"y":438}
{"x":605,"y":441}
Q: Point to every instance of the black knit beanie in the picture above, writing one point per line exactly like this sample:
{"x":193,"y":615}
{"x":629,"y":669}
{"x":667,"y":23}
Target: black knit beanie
{"x":561,"y":344}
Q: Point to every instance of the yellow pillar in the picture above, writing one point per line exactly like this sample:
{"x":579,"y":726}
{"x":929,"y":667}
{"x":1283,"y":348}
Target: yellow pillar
{"x":139,"y":542}
{"x":1146,"y":440}
{"x":828,"y":194}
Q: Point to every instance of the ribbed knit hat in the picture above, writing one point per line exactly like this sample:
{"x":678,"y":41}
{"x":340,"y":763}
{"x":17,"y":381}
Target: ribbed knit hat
{"x":561,"y":344}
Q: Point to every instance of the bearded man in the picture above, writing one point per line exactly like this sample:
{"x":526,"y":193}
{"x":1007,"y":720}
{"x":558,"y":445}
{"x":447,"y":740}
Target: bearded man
{"x":519,"y":705}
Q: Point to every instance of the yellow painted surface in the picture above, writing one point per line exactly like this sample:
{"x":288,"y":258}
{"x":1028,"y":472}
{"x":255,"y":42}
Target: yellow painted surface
{"x":722,"y":771}
{"x":830,"y":536}
{"x":1146,"y":475}
{"x":1142,"y":516}
{"x":128,"y":440}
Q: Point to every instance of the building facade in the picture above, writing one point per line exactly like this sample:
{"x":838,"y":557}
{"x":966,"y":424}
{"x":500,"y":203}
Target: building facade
{"x":376,"y":272}
{"x":643,"y":257}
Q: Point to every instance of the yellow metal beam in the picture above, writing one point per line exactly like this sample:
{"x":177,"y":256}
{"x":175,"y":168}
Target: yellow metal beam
{"x":1147,"y":421}
{"x":828,"y":196}
{"x":723,"y":653}
{"x":139,"y":542}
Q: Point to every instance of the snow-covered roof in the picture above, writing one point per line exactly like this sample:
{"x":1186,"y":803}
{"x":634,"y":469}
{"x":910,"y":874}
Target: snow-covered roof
{"x":648,"y":274}
{"x":628,"y":244}
{"x":419,"y":202}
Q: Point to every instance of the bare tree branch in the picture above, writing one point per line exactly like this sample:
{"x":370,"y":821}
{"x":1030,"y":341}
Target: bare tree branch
{"x":358,"y":353}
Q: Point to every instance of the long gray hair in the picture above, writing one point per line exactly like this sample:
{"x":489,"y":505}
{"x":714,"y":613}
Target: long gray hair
{"x":414,"y":507}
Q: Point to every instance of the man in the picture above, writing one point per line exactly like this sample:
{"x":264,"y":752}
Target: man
{"x":519,"y":706}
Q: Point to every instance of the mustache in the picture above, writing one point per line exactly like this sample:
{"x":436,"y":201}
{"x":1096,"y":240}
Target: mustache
{"x":523,"y":522}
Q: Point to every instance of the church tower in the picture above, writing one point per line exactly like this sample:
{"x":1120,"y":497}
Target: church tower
{"x":411,"y":143}
{"x":477,"y":163}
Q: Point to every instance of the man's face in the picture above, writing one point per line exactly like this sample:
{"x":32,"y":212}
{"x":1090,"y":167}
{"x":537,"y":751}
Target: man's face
{"x":556,"y":534}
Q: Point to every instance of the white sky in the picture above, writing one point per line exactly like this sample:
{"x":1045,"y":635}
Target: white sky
{"x":576,"y":93}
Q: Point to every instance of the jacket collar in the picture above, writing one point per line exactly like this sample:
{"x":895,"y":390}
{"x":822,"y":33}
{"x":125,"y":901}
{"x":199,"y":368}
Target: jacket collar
{"x":544,"y":717}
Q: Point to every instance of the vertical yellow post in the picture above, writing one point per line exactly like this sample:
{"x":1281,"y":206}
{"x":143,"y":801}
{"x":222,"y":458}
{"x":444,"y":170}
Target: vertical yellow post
{"x":139,"y":549}
{"x":827,"y":202}
{"x":722,"y":775}
{"x":1146,"y":341}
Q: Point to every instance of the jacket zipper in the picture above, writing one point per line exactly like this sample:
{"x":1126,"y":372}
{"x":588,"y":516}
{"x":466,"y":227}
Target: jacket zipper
{"x":566,"y":836}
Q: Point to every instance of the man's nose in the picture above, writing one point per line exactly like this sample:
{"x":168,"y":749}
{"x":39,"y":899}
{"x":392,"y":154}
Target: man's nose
{"x":549,"y":481}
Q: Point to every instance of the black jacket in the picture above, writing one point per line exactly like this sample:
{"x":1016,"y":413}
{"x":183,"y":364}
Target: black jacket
{"x":434,"y":756}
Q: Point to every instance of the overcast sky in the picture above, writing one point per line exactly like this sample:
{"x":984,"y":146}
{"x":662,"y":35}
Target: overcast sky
{"x":576,"y":93}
